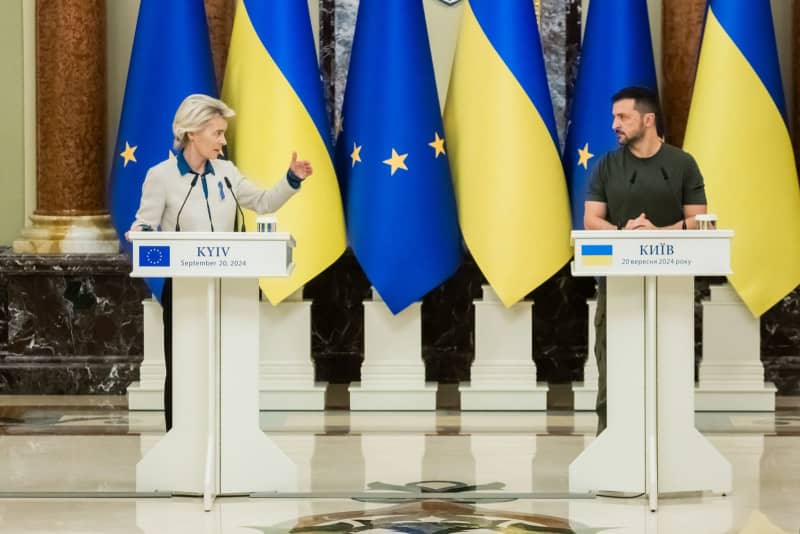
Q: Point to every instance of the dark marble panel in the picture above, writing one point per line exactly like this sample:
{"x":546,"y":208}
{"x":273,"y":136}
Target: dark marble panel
{"x":780,"y":343}
{"x":70,"y":323}
{"x":780,"y":327}
{"x":448,"y":325}
{"x":3,"y":306}
{"x":560,"y":326}
{"x":73,"y":327}
{"x":337,"y":317}
{"x":327,"y":57}
{"x":68,"y":375}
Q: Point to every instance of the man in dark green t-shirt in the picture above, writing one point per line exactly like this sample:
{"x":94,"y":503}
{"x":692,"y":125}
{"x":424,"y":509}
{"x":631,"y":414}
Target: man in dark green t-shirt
{"x":645,"y":184}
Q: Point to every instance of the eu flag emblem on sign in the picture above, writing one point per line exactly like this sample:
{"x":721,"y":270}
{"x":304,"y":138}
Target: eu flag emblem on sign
{"x":154,"y":256}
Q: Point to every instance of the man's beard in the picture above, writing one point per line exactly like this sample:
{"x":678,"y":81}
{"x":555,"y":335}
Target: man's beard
{"x":629,"y":139}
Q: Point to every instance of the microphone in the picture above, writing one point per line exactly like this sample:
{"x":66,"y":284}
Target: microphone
{"x":243,"y":228}
{"x":208,"y":207}
{"x":178,"y":218}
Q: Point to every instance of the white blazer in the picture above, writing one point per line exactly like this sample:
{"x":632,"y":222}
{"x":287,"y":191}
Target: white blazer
{"x":165,"y":188}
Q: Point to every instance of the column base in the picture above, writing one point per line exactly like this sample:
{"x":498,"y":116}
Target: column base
{"x":147,"y":394}
{"x":393,"y":398}
{"x":56,"y":234}
{"x":584,"y":397}
{"x":750,"y":399}
{"x":145,"y":398}
{"x":499,"y":397}
{"x":299,"y":398}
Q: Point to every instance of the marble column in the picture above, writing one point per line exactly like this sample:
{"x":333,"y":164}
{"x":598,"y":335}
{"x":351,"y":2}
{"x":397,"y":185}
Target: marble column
{"x":327,"y":54}
{"x":559,"y":27}
{"x":70,"y":213}
{"x":220,"y":24}
{"x":682,"y":26}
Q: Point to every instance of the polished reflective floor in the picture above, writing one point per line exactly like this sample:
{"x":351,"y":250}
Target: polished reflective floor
{"x":67,"y":464}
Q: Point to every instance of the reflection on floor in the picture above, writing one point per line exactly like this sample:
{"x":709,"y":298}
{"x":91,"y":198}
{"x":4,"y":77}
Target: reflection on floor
{"x":62,"y":445}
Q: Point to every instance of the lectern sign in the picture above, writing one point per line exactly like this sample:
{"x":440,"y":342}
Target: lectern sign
{"x":208,"y":254}
{"x":650,"y":444}
{"x":658,"y":252}
{"x":215,"y":446}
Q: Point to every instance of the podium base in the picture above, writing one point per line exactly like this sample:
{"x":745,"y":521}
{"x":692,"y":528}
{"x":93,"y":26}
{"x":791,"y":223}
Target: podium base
{"x":525,"y":398}
{"x":584,"y":397}
{"x":311,"y":398}
{"x":392,"y":398}
{"x":752,"y":399}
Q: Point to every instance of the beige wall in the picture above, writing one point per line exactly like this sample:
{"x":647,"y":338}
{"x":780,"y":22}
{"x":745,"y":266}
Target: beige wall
{"x":120,"y":27}
{"x":443,"y":24}
{"x":12,"y":147}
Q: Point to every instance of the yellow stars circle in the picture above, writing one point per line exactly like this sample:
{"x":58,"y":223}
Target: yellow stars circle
{"x":584,"y":156}
{"x":437,"y":144}
{"x":397,"y":161}
{"x":127,"y":154}
{"x":355,"y":155}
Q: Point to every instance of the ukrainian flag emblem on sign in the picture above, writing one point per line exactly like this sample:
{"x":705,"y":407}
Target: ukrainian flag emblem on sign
{"x":597,"y":254}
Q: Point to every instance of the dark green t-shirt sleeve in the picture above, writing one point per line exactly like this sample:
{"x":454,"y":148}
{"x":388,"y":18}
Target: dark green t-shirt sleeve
{"x":694,"y":189}
{"x":597,"y":182}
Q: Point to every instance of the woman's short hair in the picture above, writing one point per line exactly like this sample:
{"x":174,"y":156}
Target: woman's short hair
{"x":193,"y":113}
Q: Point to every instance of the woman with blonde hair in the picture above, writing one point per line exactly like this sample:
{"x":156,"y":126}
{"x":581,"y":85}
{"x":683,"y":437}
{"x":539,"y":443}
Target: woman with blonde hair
{"x":171,"y":200}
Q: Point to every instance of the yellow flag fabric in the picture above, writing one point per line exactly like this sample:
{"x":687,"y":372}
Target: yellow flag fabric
{"x":272,"y":81}
{"x":740,"y":140}
{"x":510,"y":188}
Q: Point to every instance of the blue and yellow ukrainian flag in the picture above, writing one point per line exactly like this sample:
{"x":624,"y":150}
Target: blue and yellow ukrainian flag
{"x":597,"y":255}
{"x":272,"y":81}
{"x":392,"y":157}
{"x":512,"y":197}
{"x":617,"y":52}
{"x":161,"y":74}
{"x":737,"y":132}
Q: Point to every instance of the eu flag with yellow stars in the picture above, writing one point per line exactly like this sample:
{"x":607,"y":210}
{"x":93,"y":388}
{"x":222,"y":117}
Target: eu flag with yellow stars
{"x":738,"y":134}
{"x":171,"y":59}
{"x":392,"y":157}
{"x":617,"y":52}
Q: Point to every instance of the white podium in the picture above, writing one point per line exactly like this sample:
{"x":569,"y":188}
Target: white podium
{"x":651,"y":444}
{"x":215,"y":446}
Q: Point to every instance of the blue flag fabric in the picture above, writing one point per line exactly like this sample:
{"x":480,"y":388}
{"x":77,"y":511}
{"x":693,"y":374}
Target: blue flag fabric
{"x":391,"y":157}
{"x":171,"y":59}
{"x":617,"y":52}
